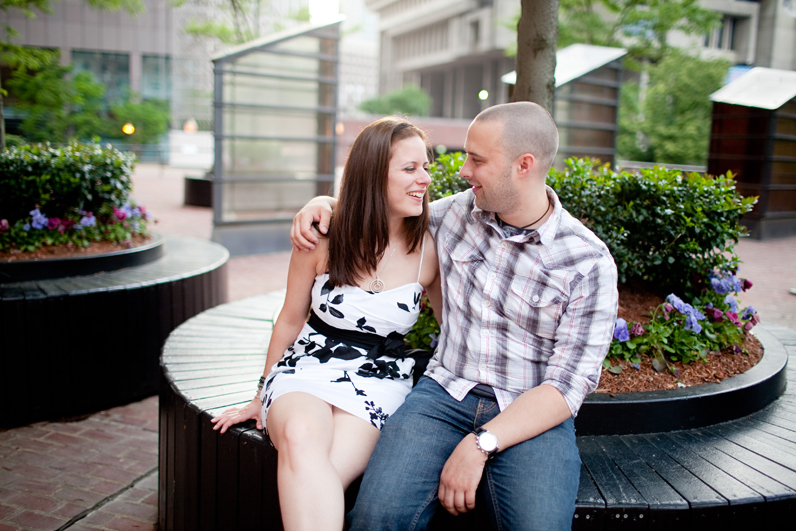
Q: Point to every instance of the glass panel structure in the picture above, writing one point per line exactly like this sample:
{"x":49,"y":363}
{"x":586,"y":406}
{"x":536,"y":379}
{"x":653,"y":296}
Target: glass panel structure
{"x":275,"y":114}
{"x":585,"y":110}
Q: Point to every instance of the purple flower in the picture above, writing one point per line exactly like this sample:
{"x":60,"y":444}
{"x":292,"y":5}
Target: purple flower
{"x":733,"y":304}
{"x":26,"y":227}
{"x":748,"y":313}
{"x":620,"y":330}
{"x":667,"y":308}
{"x":53,"y":223}
{"x":39,"y":220}
{"x":637,"y":330}
{"x":736,"y":349}
{"x":120,"y":214}
{"x":692,"y":323}
{"x":720,"y":285}
{"x":88,"y":220}
{"x":3,"y":224}
{"x":746,"y":284}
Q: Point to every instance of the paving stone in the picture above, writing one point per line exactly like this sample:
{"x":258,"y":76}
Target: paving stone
{"x":121,"y":523}
{"x":31,"y":520}
{"x":34,"y":502}
{"x":7,"y":511}
{"x":134,"y":510}
{"x":85,"y":498}
{"x":41,"y":487}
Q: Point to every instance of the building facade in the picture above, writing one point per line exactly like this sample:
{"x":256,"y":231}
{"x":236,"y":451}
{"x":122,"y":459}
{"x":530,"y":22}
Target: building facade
{"x":455,"y":49}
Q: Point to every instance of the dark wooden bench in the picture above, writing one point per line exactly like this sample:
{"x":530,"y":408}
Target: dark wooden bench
{"x":732,"y":475}
{"x":78,"y":344}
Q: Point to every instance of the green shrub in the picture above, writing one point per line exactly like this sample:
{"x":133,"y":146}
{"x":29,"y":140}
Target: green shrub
{"x":79,"y":176}
{"x":445,"y":178}
{"x":668,"y":231}
{"x":73,"y":195}
{"x":665,"y":229}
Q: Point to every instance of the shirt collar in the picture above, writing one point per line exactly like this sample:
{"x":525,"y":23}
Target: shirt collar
{"x":545,"y":234}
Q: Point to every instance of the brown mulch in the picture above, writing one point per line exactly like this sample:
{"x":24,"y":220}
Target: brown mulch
{"x":636,"y":305}
{"x":60,"y":251}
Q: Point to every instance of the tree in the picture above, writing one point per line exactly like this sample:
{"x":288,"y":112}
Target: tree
{"x":537,"y":31}
{"x":150,"y":118}
{"x":20,"y":57}
{"x":244,"y":21}
{"x":641,"y":26}
{"x":677,"y":107}
{"x":410,"y":99}
{"x":57,"y":107}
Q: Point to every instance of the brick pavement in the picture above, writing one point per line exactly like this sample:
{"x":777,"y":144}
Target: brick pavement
{"x":96,"y":472}
{"x":100,"y":472}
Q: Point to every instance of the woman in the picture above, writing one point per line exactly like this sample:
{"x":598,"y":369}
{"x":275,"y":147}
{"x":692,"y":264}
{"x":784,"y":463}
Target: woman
{"x":331,"y":381}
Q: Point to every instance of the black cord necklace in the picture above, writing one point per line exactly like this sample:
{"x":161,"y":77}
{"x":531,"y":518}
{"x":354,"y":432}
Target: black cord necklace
{"x":540,"y":217}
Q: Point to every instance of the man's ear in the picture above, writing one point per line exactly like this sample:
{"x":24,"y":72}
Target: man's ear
{"x":525,"y":164}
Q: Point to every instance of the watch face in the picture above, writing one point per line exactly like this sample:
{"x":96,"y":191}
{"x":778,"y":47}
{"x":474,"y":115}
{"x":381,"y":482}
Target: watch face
{"x":488,"y":442}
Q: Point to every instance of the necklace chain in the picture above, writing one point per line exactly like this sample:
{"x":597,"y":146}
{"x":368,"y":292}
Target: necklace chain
{"x":540,"y":217}
{"x":376,"y":285}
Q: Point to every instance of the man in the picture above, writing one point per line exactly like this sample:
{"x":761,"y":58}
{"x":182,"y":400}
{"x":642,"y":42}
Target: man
{"x":529,"y":305}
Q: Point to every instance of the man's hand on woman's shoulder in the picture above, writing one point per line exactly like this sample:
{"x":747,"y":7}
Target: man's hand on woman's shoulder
{"x":318,"y":210}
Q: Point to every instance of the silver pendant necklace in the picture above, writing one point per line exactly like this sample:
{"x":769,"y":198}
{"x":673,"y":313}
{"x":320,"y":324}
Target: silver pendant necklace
{"x":376,"y":285}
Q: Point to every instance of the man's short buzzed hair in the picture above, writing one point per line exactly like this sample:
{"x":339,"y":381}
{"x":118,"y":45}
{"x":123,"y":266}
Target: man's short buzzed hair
{"x":527,"y":128}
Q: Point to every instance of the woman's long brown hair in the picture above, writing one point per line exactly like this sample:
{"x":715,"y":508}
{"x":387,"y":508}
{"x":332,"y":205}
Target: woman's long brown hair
{"x":359,"y":232}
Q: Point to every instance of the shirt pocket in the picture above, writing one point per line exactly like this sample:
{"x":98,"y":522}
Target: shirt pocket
{"x":535,"y":305}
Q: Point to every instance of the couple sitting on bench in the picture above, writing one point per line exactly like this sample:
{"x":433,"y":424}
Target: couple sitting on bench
{"x":526,"y":297}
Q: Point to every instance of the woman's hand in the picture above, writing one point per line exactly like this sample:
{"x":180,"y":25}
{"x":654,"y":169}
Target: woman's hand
{"x":236,"y":415}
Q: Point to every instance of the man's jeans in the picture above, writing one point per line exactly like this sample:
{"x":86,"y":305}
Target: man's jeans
{"x":531,"y":485}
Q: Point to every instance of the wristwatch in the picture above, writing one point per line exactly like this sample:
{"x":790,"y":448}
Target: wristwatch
{"x":486,"y":442}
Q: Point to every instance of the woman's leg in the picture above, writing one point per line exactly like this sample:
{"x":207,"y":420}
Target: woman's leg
{"x":354,"y":440}
{"x":321,"y":450}
{"x":301,"y":427}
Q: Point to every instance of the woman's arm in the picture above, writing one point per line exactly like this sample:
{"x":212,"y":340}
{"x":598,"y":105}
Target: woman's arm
{"x":431,"y":278}
{"x":301,"y":274}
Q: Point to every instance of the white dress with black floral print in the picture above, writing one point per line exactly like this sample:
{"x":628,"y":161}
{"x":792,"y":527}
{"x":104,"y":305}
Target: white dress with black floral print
{"x":343,"y":375}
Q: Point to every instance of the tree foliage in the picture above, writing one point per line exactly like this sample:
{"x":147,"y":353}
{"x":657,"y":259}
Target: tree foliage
{"x":410,"y":99}
{"x":59,"y":106}
{"x":641,"y":26}
{"x":674,"y":123}
{"x":22,"y":57}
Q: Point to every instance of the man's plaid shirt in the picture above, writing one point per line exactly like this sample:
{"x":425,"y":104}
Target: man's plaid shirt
{"x":534,"y":308}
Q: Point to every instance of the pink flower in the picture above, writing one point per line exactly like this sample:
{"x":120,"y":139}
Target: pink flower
{"x":733,"y":317}
{"x":4,"y":224}
{"x":121,"y":216}
{"x":666,"y":309}
{"x":53,"y":223}
{"x":748,"y":325}
{"x":637,"y":330}
{"x":746,"y":284}
{"x":67,"y":224}
{"x":715,"y":314}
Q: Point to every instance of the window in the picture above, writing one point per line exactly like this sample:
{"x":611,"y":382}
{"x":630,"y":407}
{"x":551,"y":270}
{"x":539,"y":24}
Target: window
{"x":156,"y":77}
{"x":110,"y":69}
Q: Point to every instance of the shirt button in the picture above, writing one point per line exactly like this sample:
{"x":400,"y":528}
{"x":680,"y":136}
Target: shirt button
{"x":487,"y":304}
{"x":485,"y":332}
{"x":493,"y":275}
{"x":535,"y":298}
